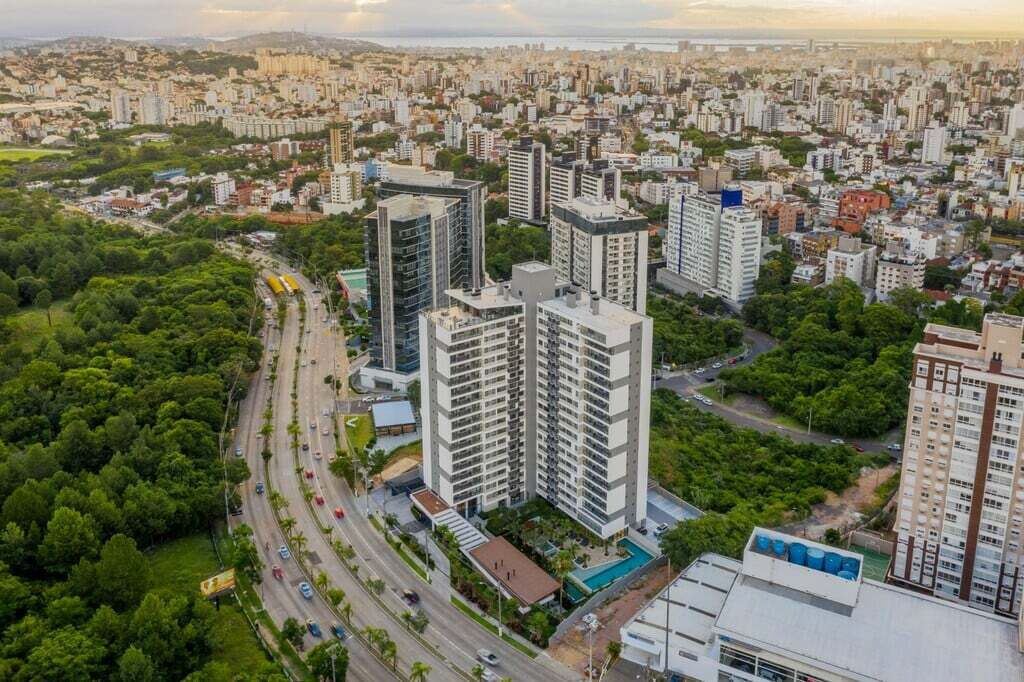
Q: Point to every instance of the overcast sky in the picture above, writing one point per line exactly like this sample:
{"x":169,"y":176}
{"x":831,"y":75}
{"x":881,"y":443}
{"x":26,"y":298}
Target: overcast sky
{"x":153,"y":18}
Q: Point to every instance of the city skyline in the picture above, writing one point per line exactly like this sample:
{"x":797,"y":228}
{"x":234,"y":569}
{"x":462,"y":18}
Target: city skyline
{"x":521,"y":18}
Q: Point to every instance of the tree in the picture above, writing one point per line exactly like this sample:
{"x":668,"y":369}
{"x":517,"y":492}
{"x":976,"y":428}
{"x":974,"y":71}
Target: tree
{"x":562,"y":564}
{"x":293,"y":631}
{"x":44,"y":299}
{"x":328,"y":661}
{"x":69,"y":538}
{"x":122,"y":573}
{"x":389,"y":652}
{"x":537,"y":624}
{"x":418,"y":671}
{"x":135,"y":666}
{"x":478,"y":672}
{"x":66,"y":654}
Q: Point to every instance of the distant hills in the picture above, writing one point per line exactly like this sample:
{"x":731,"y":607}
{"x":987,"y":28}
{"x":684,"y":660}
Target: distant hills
{"x":290,"y":40}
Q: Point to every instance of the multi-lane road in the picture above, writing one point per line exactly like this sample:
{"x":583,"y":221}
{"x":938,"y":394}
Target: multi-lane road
{"x":451,"y":639}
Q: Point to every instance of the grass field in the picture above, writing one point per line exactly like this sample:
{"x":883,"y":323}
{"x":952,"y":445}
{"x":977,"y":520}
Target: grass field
{"x":414,"y":449}
{"x":31,"y":326}
{"x":360,"y":434}
{"x":13,"y":154}
{"x":178,"y":567}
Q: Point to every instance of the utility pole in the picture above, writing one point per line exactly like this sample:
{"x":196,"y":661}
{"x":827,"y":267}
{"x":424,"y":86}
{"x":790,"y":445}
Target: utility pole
{"x":810,"y":413}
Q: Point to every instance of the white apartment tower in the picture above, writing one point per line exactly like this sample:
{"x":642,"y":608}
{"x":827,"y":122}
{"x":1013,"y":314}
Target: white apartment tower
{"x":933,"y":149}
{"x":600,"y":247}
{"x":526,"y":174}
{"x":961,"y":499}
{"x":532,"y":388}
{"x":480,"y":142}
{"x":715,"y":245}
{"x":120,"y":106}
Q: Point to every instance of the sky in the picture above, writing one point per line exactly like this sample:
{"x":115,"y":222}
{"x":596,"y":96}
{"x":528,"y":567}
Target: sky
{"x":158,"y":18}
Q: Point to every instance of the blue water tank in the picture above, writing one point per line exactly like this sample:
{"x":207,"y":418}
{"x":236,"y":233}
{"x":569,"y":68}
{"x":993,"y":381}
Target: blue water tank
{"x":833,"y":562}
{"x":763,"y":543}
{"x":851,"y":565}
{"x":847,"y":575}
{"x":779,"y":547}
{"x":798,"y":553}
{"x":815,"y":558}
{"x":732,"y":196}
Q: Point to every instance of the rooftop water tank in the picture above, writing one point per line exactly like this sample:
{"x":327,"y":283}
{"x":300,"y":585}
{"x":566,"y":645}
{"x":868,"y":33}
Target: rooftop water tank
{"x":764,"y":543}
{"x":778,"y":547}
{"x":798,"y":553}
{"x":847,"y":575}
{"x":815,"y":558}
{"x":851,"y":565}
{"x":833,"y":562}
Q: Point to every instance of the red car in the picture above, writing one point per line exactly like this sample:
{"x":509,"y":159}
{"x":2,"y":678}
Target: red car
{"x":309,"y":473}
{"x":319,"y":499}
{"x":857,"y":447}
{"x":339,"y":513}
{"x":278,"y":573}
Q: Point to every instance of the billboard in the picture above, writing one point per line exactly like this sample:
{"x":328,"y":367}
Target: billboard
{"x":222,"y":583}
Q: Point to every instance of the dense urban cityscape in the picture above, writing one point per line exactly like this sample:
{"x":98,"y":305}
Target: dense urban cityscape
{"x":663,"y":355}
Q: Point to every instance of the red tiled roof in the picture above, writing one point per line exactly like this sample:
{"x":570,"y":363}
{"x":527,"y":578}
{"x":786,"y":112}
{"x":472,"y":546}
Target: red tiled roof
{"x":519,"y":576}
{"x":430,"y":502}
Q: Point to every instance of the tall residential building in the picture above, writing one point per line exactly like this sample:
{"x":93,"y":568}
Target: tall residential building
{"x":480,"y":142}
{"x":343,"y":188}
{"x":897,"y":268}
{"x":342,"y":141}
{"x":153,"y":109}
{"x":470,"y":194}
{"x":961,"y":500}
{"x":844,"y":115}
{"x":120,"y":106}
{"x":933,"y":149}
{"x":532,"y":388}
{"x":717,"y":246}
{"x":571,"y":177}
{"x":527,"y":163}
{"x":852,"y":259}
{"x":453,"y":133}
{"x":413,"y":253}
{"x":600,"y":247}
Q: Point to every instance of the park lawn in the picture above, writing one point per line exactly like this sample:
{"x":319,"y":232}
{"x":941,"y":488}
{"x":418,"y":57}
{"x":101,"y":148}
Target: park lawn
{"x":414,"y":449}
{"x":360,"y":434}
{"x":178,"y":567}
{"x":16,"y":154}
{"x":31,"y":326}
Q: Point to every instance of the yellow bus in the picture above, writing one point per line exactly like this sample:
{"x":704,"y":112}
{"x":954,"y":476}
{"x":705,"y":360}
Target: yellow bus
{"x":291,"y":283}
{"x":275,"y":285}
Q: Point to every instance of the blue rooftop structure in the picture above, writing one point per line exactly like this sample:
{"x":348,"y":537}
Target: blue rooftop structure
{"x":393,"y":418}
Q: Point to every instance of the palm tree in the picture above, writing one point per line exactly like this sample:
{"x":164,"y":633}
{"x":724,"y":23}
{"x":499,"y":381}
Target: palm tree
{"x":346,"y":611}
{"x":278,"y":501}
{"x":322,"y":581}
{"x":562,"y":563}
{"x":299,"y":542}
{"x":287,"y":524}
{"x":478,"y":673}
{"x":389,"y":652}
{"x":419,"y":671}
{"x":407,"y":618}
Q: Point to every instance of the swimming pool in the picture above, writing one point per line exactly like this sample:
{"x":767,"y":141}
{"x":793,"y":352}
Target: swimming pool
{"x":598,"y":577}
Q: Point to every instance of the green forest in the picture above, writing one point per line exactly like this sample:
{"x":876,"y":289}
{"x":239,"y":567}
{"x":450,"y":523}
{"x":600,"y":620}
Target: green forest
{"x":508,"y":245}
{"x":683,"y":335}
{"x":109,"y":414}
{"x":739,"y":476}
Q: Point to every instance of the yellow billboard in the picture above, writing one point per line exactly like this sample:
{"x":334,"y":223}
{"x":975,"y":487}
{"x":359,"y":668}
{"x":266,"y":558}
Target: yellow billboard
{"x":218,"y":584}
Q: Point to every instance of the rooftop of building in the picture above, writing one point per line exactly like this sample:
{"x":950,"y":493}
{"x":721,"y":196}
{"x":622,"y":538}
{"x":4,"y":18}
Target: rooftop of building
{"x":406,"y":206}
{"x":393,"y":413}
{"x":517,"y":574}
{"x":599,"y":215}
{"x":609,"y":318}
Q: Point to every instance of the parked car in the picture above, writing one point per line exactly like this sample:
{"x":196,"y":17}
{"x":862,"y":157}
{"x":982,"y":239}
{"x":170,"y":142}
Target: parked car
{"x":305,"y":590}
{"x":278,"y":572}
{"x":410,"y":597}
{"x":857,"y":447}
{"x":339,"y":513}
{"x":283,"y":551}
{"x":259,"y":488}
{"x":732,"y":361}
{"x":716,"y":365}
{"x":338,"y":631}
{"x":319,"y":500}
{"x":314,"y":627}
{"x":837,"y":441}
{"x":661,"y":529}
{"x":485,"y":656}
{"x":895,"y":447}
{"x":700,"y":370}
{"x":309,"y":473}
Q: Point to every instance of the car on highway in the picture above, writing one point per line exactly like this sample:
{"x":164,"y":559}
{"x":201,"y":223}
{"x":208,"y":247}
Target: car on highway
{"x":490,"y":676}
{"x":331,"y":458}
{"x":305,"y":447}
{"x":339,"y":513}
{"x":309,"y":473}
{"x":259,"y":487}
{"x":732,"y":361}
{"x":314,"y":627}
{"x":338,"y":631}
{"x":837,"y":441}
{"x":717,"y":365}
{"x":661,"y":529}
{"x":283,"y":551}
{"x":319,"y":500}
{"x":277,"y":572}
{"x":857,"y":447}
{"x":238,"y":452}
{"x":305,"y":590}
{"x":485,"y":656}
{"x":326,"y":412}
{"x":304,"y":363}
{"x":410,"y":597}
{"x":894,"y":447}
{"x":312,"y":426}
{"x":325,"y":432}
{"x":700,"y":370}
{"x":317,"y":455}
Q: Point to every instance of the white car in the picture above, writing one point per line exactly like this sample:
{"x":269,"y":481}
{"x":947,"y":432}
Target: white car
{"x":837,"y":441}
{"x":485,"y":656}
{"x":325,"y":432}
{"x":700,"y":370}
{"x":717,"y":365}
